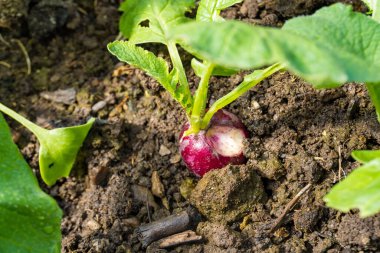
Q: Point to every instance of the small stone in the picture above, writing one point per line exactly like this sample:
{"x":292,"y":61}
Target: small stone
{"x":60,"y":96}
{"x":165,"y":203}
{"x":164,"y":151}
{"x":157,"y":187}
{"x":255,"y":105}
{"x":175,"y":159}
{"x":132,"y":222}
{"x":98,"y":106}
{"x":92,"y":225}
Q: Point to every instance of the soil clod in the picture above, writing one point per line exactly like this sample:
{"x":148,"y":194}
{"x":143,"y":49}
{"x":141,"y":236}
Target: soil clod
{"x":226,"y":194}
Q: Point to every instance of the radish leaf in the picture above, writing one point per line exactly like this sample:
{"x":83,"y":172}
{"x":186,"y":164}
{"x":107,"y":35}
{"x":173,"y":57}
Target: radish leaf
{"x":311,"y":47}
{"x":209,"y":10}
{"x":154,"y":66}
{"x":359,"y":190}
{"x":161,"y":14}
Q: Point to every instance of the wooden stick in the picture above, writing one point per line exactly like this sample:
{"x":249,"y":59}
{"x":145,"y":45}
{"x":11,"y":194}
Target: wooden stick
{"x":156,"y":230}
{"x":178,"y":239}
{"x":289,"y":207}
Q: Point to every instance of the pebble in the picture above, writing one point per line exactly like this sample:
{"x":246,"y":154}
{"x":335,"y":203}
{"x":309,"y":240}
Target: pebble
{"x":132,"y":222}
{"x":66,"y":97}
{"x":157,"y":187}
{"x":93,"y":225}
{"x":98,"y":106}
{"x":255,"y":105}
{"x":175,"y":159}
{"x":164,"y":151}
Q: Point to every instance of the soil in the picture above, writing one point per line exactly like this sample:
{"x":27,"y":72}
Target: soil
{"x":298,"y":135}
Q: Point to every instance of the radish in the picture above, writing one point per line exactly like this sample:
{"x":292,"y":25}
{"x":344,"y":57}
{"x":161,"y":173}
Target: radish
{"x":215,"y":147}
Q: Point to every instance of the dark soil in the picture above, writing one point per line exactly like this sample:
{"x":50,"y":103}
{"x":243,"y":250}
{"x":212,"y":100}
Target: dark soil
{"x":296,"y":134}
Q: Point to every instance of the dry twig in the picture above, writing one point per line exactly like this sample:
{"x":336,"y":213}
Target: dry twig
{"x":289,"y":207}
{"x":181,"y":238}
{"x":26,"y":55}
{"x":5,"y":64}
{"x":156,"y":230}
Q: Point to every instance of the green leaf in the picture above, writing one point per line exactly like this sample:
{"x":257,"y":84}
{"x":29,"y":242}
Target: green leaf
{"x":30,"y":220}
{"x":365,"y":156}
{"x":58,"y":150}
{"x":359,"y":190}
{"x":329,"y":48}
{"x":209,"y":10}
{"x":374,"y":93}
{"x":357,"y":52}
{"x":199,"y":68}
{"x":154,"y":66}
{"x":58,"y":147}
{"x":161,"y":14}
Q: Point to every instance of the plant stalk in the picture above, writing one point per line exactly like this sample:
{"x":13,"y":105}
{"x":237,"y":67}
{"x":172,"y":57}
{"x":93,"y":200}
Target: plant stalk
{"x":36,"y":130}
{"x":249,"y":81}
{"x":177,"y":64}
{"x":200,"y":100}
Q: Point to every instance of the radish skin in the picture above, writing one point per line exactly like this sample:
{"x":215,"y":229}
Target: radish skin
{"x":220,"y":144}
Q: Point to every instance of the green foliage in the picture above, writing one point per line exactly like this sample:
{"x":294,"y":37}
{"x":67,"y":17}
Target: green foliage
{"x":374,"y":93}
{"x":209,"y":10}
{"x":58,"y":150}
{"x":161,"y":14}
{"x":360,"y":189}
{"x":154,"y":66}
{"x":58,"y":147}
{"x":30,"y":220}
{"x":365,"y":156}
{"x":324,"y":48}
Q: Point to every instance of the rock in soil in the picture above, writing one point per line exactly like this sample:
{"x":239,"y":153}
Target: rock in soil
{"x":227,"y":194}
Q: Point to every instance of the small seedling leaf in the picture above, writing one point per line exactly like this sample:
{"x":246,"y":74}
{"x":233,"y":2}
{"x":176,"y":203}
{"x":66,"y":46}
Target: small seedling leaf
{"x":58,"y":150}
{"x":154,"y":66}
{"x":359,"y":190}
{"x":30,"y":220}
{"x":160,"y":15}
{"x":310,"y":47}
{"x":209,"y":10}
{"x":58,"y":147}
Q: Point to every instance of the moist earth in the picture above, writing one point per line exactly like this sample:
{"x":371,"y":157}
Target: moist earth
{"x":298,"y":135}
